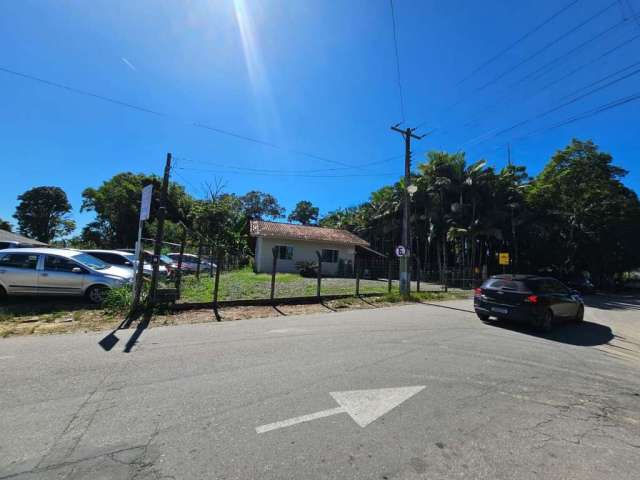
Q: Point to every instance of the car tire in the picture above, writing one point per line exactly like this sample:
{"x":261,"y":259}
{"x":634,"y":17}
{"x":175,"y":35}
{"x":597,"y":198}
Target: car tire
{"x":484,"y":318}
{"x":546,"y":324}
{"x":3,"y":295}
{"x":580,"y":315}
{"x":95,"y":294}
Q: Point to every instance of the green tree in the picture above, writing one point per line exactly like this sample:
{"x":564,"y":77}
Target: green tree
{"x":259,"y":205}
{"x":582,"y":208}
{"x":43,"y":214}
{"x":5,"y":225}
{"x":305,"y":213}
{"x":117,"y":206}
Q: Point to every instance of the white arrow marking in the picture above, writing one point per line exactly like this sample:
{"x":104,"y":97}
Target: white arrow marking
{"x":363,"y":406}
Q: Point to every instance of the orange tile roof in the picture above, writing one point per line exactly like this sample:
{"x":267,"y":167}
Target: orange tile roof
{"x":260,"y":228}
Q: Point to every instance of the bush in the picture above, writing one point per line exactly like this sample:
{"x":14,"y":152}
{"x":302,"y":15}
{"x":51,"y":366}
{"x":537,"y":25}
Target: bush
{"x":118,"y":299}
{"x":307,"y":269}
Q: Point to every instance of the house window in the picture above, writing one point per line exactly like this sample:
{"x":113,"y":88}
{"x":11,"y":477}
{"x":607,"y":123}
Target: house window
{"x":285,"y":252}
{"x":330,"y":256}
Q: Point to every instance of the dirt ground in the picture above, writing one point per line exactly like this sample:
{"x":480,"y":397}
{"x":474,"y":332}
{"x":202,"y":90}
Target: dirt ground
{"x":39,"y":317}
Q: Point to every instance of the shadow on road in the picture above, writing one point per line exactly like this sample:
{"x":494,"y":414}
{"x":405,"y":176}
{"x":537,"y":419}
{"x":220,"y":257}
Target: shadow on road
{"x":110,"y":341}
{"x":613,"y":302}
{"x":583,"y":334}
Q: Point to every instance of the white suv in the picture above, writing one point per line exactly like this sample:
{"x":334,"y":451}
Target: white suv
{"x":54,"y":271}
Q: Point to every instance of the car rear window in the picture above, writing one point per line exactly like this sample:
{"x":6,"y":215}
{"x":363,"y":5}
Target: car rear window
{"x":504,"y":284}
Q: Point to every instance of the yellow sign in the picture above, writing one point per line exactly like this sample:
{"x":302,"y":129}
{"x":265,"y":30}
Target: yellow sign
{"x":503,"y":258}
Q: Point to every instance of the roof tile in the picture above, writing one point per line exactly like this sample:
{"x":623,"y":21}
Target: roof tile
{"x":260,"y":228}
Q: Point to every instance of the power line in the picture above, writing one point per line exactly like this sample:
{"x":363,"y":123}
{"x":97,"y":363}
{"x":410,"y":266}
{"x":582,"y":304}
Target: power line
{"x":532,"y":56}
{"x":557,"y":59}
{"x":589,"y":113}
{"x":395,"y":44}
{"x":267,"y":170}
{"x":121,"y":103}
{"x":569,"y":102}
{"x":546,"y":47}
{"x":520,"y":40}
{"x":289,"y":174}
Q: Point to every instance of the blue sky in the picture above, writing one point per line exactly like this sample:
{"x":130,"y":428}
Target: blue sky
{"x":313,"y":76}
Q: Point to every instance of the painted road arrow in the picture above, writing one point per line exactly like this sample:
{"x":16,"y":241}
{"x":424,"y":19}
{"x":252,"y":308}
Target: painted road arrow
{"x":363,"y":406}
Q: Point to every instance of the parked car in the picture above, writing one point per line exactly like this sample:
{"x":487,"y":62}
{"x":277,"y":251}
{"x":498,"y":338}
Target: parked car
{"x":167,"y":266}
{"x":580,"y":283}
{"x":126,"y":260}
{"x":55,"y":271}
{"x":190,"y":262}
{"x":527,"y":298}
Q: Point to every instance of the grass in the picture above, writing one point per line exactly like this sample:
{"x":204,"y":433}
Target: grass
{"x":244,"y":284}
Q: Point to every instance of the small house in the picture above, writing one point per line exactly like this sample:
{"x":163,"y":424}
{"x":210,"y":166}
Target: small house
{"x":299,"y":243}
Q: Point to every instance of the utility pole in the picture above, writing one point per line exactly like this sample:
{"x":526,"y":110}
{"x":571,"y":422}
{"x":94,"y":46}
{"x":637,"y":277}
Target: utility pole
{"x":405,"y":285}
{"x":157,"y":246}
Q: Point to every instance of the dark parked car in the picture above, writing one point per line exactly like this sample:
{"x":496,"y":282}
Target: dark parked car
{"x":527,"y":298}
{"x":580,"y":283}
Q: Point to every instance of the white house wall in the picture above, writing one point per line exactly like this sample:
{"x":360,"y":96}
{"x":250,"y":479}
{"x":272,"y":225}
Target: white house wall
{"x":303,"y":251}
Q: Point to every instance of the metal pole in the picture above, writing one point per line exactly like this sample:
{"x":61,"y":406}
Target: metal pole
{"x":274,"y":251}
{"x":319,"y":273}
{"x":357,"y":266}
{"x":160,"y":230}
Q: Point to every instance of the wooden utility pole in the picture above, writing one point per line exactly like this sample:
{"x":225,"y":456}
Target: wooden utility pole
{"x":157,"y":246}
{"x":183,"y":242}
{"x":404,"y":260}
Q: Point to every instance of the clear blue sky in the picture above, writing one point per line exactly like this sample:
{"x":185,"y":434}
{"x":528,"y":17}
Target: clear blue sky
{"x":317,"y":76}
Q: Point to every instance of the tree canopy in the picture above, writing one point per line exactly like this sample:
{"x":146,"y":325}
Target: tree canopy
{"x":304,"y":213}
{"x":43,"y":213}
{"x":6,"y":225}
{"x":259,"y":205}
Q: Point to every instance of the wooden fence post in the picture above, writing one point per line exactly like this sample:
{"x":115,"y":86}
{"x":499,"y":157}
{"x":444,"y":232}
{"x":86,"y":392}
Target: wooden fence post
{"x":183,"y":241}
{"x":199,"y":260}
{"x":210,"y":261}
{"x":216,"y":284}
{"x":356,"y":265}
{"x":389,"y":281}
{"x":274,"y":265}
{"x":418,"y":273}
{"x":319,"y":273}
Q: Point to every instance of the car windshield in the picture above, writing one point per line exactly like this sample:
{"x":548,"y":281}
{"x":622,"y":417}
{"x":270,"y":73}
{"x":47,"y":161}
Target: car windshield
{"x":165,"y":259}
{"x":129,"y":256}
{"x":90,"y":261}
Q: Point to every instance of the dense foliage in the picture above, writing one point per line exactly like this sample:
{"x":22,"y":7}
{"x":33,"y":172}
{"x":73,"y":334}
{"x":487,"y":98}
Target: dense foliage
{"x":43,"y":214}
{"x":575,"y":216}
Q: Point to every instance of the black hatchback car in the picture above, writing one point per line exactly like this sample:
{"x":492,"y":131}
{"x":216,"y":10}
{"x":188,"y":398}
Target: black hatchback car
{"x":527,"y":298}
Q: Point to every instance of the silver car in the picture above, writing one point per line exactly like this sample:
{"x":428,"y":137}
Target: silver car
{"x":53,"y":271}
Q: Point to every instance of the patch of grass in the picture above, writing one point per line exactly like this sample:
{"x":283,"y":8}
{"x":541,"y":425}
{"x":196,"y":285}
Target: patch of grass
{"x":395,"y":297}
{"x":118,"y":300}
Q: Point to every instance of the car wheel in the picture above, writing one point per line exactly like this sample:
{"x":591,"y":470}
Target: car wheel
{"x":96,"y":293}
{"x":3,"y":295}
{"x":580,"y":314}
{"x":484,"y":318}
{"x":547,"y":322}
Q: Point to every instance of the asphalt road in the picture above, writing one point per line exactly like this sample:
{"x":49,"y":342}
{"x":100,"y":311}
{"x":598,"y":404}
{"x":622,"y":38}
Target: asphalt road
{"x":497,"y":402}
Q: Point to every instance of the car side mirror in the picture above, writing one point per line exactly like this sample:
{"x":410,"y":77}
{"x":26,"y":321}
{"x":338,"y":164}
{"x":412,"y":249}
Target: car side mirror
{"x":128,"y":263}
{"x":76,"y":270}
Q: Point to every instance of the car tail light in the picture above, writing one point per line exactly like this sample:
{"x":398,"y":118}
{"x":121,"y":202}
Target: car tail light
{"x":531,"y":299}
{"x":478,"y":292}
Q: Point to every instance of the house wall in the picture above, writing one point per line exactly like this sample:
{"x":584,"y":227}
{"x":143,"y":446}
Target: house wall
{"x":303,"y":251}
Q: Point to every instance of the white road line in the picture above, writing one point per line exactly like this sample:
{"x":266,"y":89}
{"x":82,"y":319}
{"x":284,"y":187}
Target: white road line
{"x":301,"y":419}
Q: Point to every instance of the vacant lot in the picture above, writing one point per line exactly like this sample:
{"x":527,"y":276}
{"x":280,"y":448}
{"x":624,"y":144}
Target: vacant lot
{"x":244,"y":284}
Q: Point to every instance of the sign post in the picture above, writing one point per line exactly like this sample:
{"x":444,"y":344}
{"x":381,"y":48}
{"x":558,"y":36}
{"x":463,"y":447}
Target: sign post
{"x":145,"y":209}
{"x":402,"y":253}
{"x":503,"y":259}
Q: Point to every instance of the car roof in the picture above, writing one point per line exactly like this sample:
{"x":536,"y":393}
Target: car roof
{"x":118,"y":252}
{"x":63,"y":252}
{"x":519,"y":276}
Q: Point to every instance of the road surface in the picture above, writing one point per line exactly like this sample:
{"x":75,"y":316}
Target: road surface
{"x":408,"y":392}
